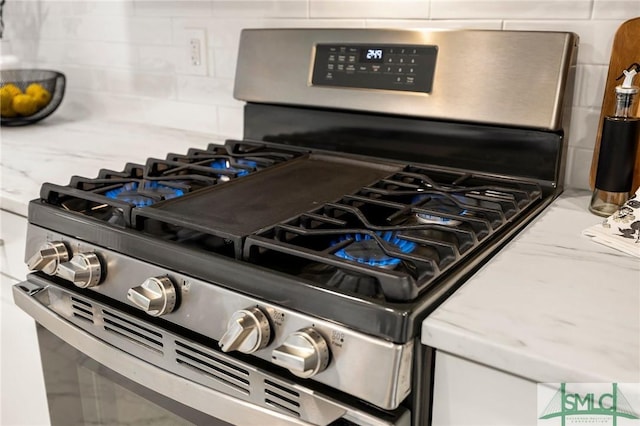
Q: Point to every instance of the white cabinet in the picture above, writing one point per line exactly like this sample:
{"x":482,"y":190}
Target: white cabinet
{"x":468,"y":393}
{"x":13,"y":232}
{"x":23,"y":397}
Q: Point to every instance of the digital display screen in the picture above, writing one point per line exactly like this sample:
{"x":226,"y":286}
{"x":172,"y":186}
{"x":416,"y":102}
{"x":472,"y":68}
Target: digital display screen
{"x":402,"y":67}
{"x":371,"y":55}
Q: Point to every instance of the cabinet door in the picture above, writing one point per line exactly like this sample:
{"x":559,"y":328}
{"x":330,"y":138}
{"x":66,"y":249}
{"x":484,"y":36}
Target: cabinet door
{"x":13,"y":233}
{"x":23,"y":400}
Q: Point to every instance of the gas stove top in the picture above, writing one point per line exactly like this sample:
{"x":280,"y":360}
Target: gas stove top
{"x":375,"y":235}
{"x":361,"y":197}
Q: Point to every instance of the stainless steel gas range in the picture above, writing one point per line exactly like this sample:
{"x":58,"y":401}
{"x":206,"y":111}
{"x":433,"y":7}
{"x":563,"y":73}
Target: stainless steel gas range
{"x":283,"y":278}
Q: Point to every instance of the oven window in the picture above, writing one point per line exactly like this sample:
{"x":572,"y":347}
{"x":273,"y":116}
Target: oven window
{"x":81,"y":391}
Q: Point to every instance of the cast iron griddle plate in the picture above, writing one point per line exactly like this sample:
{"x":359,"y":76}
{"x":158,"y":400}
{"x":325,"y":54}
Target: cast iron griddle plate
{"x":246,"y":205}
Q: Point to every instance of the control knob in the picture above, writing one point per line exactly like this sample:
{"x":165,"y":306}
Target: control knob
{"x":84,"y":270}
{"x":247,"y":331}
{"x":305,"y":353}
{"x":48,"y":257}
{"x":156,"y":296}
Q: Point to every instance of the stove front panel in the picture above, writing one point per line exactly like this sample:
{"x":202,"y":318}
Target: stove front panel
{"x":206,"y":308}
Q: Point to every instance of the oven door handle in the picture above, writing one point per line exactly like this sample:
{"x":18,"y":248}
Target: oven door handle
{"x":27,"y":296}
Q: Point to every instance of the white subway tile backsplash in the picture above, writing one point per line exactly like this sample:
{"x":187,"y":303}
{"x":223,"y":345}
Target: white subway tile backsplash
{"x":182,"y":115}
{"x":83,"y":78}
{"x":578,"y":168}
{"x":261,"y":8}
{"x":207,"y":90}
{"x":596,"y":36}
{"x":392,"y":9}
{"x":590,"y":83}
{"x":164,"y":113}
{"x":584,"y":126}
{"x":162,"y":59}
{"x":438,"y":24}
{"x":220,"y":32}
{"x":616,"y":9}
{"x":510,"y":9}
{"x":172,"y":8}
{"x":139,"y":84}
{"x":224,"y":62}
{"x":132,"y":29}
{"x":313,"y":23}
{"x":88,"y":7}
{"x":99,"y":54}
{"x":230,"y":122}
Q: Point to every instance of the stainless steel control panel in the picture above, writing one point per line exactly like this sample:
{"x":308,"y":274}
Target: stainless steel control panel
{"x":309,"y":347}
{"x":375,"y":66}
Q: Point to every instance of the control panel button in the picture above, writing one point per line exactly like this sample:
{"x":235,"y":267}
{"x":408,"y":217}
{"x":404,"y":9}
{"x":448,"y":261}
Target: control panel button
{"x":247,"y":331}
{"x":84,"y":270}
{"x":156,"y":296}
{"x":48,"y":257}
{"x":305,"y":353}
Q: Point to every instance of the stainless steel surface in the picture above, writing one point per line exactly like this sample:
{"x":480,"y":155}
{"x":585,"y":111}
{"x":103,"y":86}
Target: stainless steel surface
{"x":47,"y":257}
{"x":495,"y":77}
{"x":304,"y":353}
{"x":156,"y":296}
{"x":183,"y":370}
{"x":247,"y":331}
{"x":206,"y":308}
{"x":83,"y":270}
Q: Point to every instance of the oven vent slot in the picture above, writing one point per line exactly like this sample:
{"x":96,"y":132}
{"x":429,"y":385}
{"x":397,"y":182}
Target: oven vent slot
{"x":281,"y":398}
{"x":81,"y":309}
{"x":131,"y":331}
{"x":213,"y":366}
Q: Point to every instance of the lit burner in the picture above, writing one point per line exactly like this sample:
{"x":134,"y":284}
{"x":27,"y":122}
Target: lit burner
{"x":365,"y":249}
{"x":223,"y":164}
{"x":441,"y":204}
{"x":145,"y":195}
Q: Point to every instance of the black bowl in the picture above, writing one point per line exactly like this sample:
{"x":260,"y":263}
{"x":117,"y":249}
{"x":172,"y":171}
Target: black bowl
{"x":53,"y":81}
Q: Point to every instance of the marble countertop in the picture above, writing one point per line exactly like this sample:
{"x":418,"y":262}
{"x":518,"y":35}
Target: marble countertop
{"x":56,"y":148}
{"x":552,"y":306}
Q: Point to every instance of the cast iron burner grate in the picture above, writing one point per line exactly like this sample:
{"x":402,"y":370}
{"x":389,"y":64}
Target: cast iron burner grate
{"x":111,"y":196}
{"x":393,"y":239}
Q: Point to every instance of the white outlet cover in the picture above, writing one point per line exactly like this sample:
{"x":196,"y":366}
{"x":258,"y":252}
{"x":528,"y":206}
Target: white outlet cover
{"x":195,"y":51}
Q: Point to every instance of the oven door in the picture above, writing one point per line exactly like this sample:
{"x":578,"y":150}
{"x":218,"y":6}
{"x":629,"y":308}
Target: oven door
{"x":95,"y":375}
{"x":83,"y":391}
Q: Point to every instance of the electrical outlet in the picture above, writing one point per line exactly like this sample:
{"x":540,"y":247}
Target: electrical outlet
{"x":196,"y":51}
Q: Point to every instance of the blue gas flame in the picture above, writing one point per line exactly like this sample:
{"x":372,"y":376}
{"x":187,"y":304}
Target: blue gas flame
{"x":224,"y":165}
{"x":378,"y":258}
{"x":132,"y":193}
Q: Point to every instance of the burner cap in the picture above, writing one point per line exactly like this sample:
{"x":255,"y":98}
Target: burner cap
{"x":144,"y":195}
{"x":223,"y":164}
{"x":442,"y":204}
{"x":365,"y":249}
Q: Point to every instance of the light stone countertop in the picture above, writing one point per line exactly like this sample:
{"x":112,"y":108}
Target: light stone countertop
{"x":552,"y":306}
{"x":59,"y":147}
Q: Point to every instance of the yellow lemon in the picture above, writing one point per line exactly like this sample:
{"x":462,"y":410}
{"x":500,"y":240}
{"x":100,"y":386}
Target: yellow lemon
{"x":7,"y":111}
{"x":5,"y":97}
{"x":24,"y":105}
{"x":39,"y":93}
{"x":6,"y":101}
{"x":13,"y":89}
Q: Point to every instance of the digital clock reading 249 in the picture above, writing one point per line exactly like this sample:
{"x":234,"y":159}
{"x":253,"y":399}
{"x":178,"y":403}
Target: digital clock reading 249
{"x":404,"y":67}
{"x":374,"y":54}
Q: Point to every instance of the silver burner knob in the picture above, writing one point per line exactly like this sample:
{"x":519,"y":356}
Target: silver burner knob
{"x":156,"y":296}
{"x":84,"y":270}
{"x":305,"y":353}
{"x":48,"y":257}
{"x":247,"y":331}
